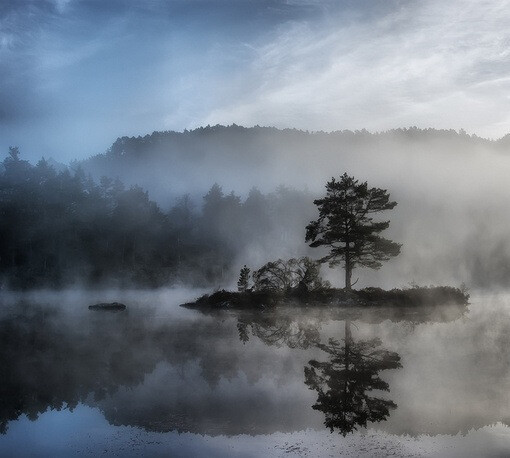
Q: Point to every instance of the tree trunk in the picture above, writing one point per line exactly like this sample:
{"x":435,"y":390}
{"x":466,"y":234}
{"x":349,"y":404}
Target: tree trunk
{"x":348,"y":268}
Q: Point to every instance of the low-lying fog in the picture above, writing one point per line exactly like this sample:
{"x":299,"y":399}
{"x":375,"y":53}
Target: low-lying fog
{"x":164,"y":368}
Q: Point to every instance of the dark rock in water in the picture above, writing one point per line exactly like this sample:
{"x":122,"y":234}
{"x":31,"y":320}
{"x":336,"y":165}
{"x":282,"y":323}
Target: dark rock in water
{"x":111,"y":306}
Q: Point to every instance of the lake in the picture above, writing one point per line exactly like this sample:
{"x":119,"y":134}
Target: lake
{"x":162,"y":380}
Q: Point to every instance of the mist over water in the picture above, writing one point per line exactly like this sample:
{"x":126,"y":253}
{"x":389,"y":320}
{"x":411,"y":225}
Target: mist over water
{"x":163,"y":368}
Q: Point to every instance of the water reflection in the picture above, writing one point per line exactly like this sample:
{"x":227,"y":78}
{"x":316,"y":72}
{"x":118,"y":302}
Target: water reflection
{"x":47,"y":364}
{"x":226,"y":373}
{"x":344,"y":381}
{"x":280,"y":329}
{"x":189,"y":375}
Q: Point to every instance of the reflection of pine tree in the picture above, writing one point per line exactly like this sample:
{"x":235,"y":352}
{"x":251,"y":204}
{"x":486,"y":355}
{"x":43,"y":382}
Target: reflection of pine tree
{"x":342,"y":382}
{"x":242,"y":328}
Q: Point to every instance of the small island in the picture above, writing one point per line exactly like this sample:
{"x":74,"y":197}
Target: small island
{"x":346,"y":227}
{"x":299,"y":296}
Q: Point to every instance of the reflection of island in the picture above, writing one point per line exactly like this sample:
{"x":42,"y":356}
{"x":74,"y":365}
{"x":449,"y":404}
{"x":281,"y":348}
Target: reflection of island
{"x":300,"y":328}
{"x":233,"y":372}
{"x":343,"y":383}
{"x":279,"y":329}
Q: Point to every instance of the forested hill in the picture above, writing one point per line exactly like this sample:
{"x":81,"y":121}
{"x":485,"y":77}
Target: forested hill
{"x":170,"y":223}
{"x":240,"y":157}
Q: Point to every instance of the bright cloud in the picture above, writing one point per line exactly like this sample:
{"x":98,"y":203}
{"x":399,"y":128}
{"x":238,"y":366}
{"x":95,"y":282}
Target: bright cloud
{"x":75,"y":75}
{"x":439,"y":64}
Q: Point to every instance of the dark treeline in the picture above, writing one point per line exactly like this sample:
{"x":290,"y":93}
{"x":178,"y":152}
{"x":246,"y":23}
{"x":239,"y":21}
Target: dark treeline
{"x":57,"y":228}
{"x":191,"y":142}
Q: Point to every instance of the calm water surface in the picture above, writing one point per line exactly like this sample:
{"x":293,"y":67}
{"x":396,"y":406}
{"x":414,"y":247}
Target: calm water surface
{"x":162,"y":380}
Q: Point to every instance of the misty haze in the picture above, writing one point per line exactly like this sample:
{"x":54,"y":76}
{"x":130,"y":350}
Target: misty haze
{"x":258,"y":229}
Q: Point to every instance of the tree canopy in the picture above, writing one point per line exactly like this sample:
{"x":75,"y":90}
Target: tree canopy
{"x":346,"y":226}
{"x":280,"y":275}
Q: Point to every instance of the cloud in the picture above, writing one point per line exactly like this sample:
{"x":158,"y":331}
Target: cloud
{"x":426,"y":64}
{"x":99,"y":70}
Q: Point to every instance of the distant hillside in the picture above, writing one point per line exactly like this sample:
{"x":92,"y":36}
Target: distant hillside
{"x":171,"y":163}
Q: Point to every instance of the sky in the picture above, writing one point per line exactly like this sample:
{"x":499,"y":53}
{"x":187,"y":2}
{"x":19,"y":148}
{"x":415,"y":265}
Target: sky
{"x":75,"y":74}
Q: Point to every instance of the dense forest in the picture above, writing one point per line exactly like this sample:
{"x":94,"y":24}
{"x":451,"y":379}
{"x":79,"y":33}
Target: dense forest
{"x":58,"y":228}
{"x":147,"y":212}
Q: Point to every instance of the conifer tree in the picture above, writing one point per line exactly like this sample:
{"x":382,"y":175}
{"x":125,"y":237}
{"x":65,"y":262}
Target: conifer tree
{"x":345,"y":225}
{"x":244,"y":278}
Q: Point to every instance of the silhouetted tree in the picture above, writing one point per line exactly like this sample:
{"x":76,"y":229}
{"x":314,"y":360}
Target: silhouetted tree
{"x":345,"y":225}
{"x":212,"y":202}
{"x":244,"y":278}
{"x":13,"y":153}
{"x":285,"y":275}
{"x":343,"y":383}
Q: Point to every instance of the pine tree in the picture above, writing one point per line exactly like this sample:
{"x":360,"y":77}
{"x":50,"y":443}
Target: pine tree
{"x":345,"y":225}
{"x":244,"y":277}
